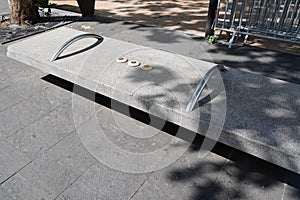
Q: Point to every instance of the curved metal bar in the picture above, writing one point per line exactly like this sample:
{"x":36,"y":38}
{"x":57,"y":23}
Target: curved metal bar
{"x":71,"y":41}
{"x":201,"y":86}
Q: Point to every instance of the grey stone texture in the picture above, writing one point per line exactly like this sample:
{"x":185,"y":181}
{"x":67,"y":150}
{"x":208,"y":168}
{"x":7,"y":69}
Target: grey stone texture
{"x":4,"y":10}
{"x":64,"y":169}
{"x":101,"y":182}
{"x":31,"y":109}
{"x":48,"y":175}
{"x":262,"y":115}
{"x":12,"y":160}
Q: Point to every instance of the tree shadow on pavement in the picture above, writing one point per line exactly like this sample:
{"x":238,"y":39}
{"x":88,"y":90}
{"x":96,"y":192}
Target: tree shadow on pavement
{"x":242,"y":179}
{"x":176,"y":15}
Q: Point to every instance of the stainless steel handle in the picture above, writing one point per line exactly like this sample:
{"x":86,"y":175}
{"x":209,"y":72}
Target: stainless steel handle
{"x":201,"y":86}
{"x":71,"y":41}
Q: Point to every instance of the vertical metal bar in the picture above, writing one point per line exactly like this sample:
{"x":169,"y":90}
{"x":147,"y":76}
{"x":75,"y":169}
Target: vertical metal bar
{"x":215,"y":24}
{"x":259,"y":5}
{"x":218,"y":15}
{"x":242,"y":13}
{"x":274,"y":11}
{"x":293,"y":16}
{"x":266,"y":18}
{"x":276,"y":15}
{"x":233,"y":13}
{"x":298,"y":25}
{"x":286,"y":19}
{"x":284,"y":14}
{"x":263,"y":10}
{"x":225,"y":12}
{"x":250,"y":13}
{"x":232,"y":39}
{"x":248,"y":25}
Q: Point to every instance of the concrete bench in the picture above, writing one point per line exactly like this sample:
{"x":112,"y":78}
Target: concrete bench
{"x":255,"y":114}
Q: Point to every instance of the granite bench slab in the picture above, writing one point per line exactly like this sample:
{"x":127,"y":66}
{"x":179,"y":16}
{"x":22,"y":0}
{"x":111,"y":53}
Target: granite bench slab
{"x":262,"y":115}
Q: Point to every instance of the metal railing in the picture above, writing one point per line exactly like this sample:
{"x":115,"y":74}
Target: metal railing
{"x":272,"y":19}
{"x":200,"y":87}
{"x":71,"y":41}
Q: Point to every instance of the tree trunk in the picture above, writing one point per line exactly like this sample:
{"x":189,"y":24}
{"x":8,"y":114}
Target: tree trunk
{"x":86,"y":7}
{"x":23,"y":10}
{"x":210,"y":17}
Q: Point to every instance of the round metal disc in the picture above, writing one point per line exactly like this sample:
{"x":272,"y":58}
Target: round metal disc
{"x":133,"y":63}
{"x":146,"y":67}
{"x":122,"y":60}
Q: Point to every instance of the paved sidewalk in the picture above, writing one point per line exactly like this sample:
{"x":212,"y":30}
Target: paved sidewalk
{"x":42,"y":157}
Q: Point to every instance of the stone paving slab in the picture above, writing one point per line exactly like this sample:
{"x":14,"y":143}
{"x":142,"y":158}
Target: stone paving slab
{"x":12,"y":160}
{"x":9,"y":97}
{"x":3,"y":85}
{"x":96,"y":70}
{"x":36,"y":138}
{"x":11,"y":71}
{"x":27,"y":111}
{"x":101,"y":182}
{"x":19,"y":188}
{"x":47,"y":176}
{"x":29,"y":86}
{"x":39,"y":136}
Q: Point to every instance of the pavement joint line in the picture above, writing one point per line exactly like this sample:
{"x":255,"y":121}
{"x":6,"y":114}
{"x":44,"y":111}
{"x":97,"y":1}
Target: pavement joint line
{"x":12,"y":105}
{"x":37,"y":157}
{"x":25,"y":97}
{"x":45,"y":151}
{"x":16,"y":103}
{"x":74,"y":181}
{"x":4,"y":87}
{"x":137,"y":190}
{"x":17,"y":170}
{"x":94,"y":162}
{"x":40,"y":117}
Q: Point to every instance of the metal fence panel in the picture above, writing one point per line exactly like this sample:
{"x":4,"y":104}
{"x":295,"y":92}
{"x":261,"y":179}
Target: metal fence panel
{"x":273,"y":19}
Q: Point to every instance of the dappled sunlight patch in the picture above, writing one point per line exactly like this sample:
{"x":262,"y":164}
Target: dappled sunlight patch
{"x":280,"y":113}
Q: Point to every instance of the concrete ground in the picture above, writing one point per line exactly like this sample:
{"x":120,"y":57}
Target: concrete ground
{"x":42,"y":157}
